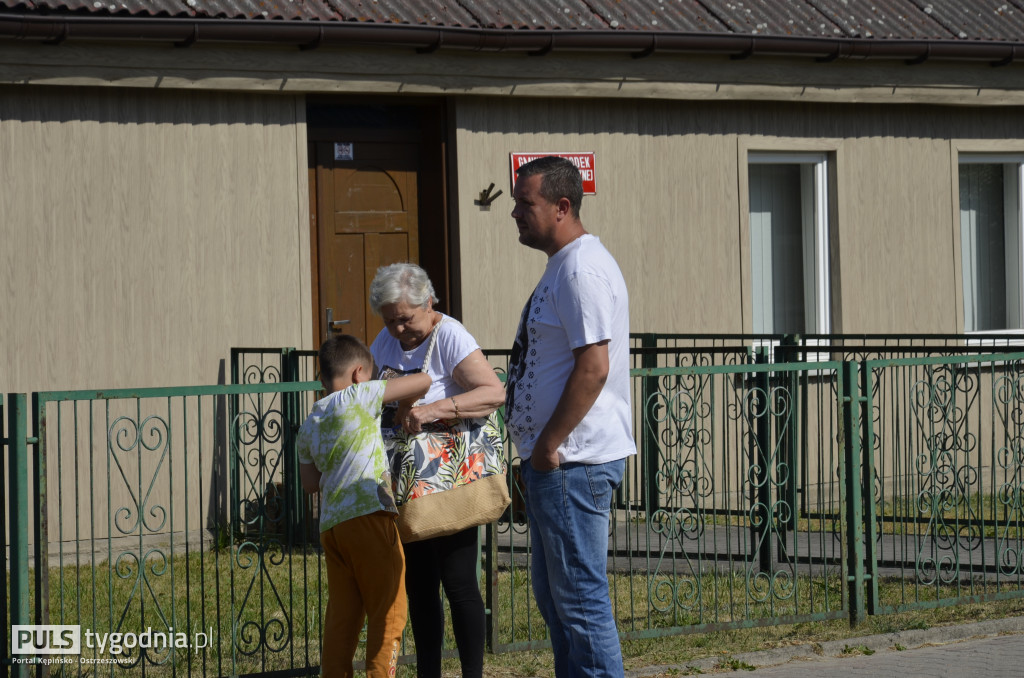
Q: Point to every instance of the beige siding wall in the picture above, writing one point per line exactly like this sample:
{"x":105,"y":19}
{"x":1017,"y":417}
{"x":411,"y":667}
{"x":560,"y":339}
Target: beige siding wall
{"x":146,"y":233}
{"x":671,"y":205}
{"x":896,"y":237}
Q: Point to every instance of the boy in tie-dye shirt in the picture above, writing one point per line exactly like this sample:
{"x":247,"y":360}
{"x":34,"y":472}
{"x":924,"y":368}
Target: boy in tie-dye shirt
{"x":341,"y":454}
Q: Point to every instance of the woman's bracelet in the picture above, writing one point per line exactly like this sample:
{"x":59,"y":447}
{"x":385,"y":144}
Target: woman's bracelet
{"x":456,"y":406}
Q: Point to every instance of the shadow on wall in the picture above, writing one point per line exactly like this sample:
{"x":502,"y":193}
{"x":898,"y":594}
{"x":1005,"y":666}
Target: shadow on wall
{"x":32,"y":103}
{"x":675,"y":118}
{"x":217,"y":503}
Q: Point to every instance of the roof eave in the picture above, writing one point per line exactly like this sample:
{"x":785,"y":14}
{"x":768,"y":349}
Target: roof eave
{"x":309,"y":34}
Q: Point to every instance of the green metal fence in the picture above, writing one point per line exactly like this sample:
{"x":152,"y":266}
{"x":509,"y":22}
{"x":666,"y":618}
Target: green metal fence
{"x":706,"y":533}
{"x":162,"y":511}
{"x":272,"y":365}
{"x":764,"y":493}
{"x":946,"y":464}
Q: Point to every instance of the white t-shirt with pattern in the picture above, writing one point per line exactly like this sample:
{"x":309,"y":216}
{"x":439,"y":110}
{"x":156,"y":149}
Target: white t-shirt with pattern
{"x":581,"y":299}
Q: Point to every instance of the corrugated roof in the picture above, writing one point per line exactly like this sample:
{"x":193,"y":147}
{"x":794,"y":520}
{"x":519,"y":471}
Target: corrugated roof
{"x":892,"y":19}
{"x":277,"y":10}
{"x":772,"y":18}
{"x":114,"y":7}
{"x":543,"y":14}
{"x":981,"y":19}
{"x":685,"y":16}
{"x":422,"y":12}
{"x":929,"y":20}
{"x":287,"y":10}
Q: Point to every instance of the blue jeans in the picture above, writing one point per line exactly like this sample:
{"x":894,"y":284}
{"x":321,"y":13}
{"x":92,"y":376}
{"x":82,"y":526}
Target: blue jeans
{"x":568,"y":509}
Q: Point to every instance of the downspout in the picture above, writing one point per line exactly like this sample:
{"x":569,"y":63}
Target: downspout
{"x":310,"y":34}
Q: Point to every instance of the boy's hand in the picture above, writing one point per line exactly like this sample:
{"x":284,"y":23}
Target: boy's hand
{"x":402,"y":412}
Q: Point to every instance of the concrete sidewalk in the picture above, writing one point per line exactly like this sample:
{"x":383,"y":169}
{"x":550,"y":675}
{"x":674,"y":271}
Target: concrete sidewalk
{"x":992,"y":649}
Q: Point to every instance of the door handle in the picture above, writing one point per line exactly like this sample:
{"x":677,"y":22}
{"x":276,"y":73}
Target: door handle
{"x":333,"y":325}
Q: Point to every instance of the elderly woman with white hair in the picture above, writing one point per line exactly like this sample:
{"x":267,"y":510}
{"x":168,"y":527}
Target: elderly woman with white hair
{"x":464,"y":385}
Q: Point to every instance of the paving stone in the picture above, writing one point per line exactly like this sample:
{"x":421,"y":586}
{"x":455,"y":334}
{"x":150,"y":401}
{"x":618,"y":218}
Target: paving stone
{"x":990,"y":649}
{"x":999,"y":657}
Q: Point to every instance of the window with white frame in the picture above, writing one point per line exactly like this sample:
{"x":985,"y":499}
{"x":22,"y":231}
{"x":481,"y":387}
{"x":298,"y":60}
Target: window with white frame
{"x":990,"y":241}
{"x":789,"y":243}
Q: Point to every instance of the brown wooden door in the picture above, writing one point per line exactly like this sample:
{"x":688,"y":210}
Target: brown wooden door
{"x":367,"y":217}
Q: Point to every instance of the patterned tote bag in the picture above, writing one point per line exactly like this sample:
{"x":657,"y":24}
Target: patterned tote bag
{"x":450,"y":476}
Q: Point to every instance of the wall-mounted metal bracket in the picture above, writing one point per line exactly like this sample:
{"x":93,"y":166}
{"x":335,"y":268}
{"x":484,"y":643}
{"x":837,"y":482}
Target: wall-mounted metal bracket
{"x":486,"y":197}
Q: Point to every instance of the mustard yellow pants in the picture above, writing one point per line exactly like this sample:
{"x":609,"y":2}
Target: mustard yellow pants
{"x":365,"y":580}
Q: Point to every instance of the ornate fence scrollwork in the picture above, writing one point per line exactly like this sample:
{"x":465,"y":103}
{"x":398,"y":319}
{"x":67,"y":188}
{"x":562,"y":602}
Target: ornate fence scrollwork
{"x":766,"y":411}
{"x":138,"y":447}
{"x":678,"y":417}
{"x":947,"y":476}
{"x":259,"y":430}
{"x":721,"y":471}
{"x":1008,"y":405}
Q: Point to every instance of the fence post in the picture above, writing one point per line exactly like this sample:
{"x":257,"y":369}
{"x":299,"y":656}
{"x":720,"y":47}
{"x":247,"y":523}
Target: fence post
{"x":5,"y":648}
{"x":294,"y":495}
{"x":762,"y":531}
{"x":850,"y":481}
{"x":18,"y":512}
{"x":868,"y":483}
{"x":648,"y":436}
{"x":794,"y":433}
{"x":40,"y":511}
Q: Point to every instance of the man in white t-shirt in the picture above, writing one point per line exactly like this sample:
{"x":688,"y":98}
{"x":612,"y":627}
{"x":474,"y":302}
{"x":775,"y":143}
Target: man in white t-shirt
{"x":568,"y":412}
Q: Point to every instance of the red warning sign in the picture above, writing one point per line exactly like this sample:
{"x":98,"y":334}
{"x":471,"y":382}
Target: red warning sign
{"x":584,"y":163}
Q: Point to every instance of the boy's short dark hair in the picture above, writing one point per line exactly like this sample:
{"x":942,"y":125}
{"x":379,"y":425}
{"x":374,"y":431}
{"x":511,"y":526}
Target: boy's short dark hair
{"x":340,"y":352}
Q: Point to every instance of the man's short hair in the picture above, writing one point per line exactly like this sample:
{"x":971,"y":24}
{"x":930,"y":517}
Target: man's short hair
{"x":559,"y":179}
{"x":340,"y":353}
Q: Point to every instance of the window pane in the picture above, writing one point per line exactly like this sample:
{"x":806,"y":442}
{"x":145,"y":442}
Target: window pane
{"x":777,"y":260}
{"x":982,"y":246}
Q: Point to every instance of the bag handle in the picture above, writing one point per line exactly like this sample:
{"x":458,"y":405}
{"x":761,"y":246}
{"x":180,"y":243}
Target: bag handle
{"x":431,"y":343}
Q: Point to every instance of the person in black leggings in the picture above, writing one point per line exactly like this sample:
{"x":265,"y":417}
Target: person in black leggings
{"x":450,"y":562}
{"x":464,"y":386}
